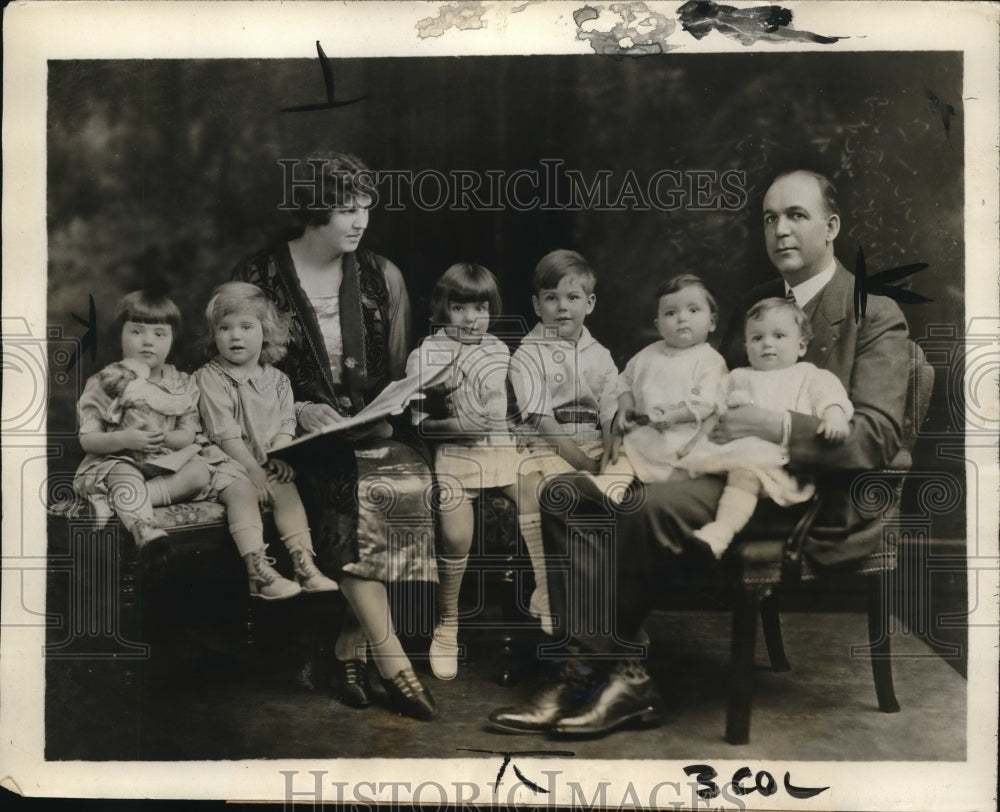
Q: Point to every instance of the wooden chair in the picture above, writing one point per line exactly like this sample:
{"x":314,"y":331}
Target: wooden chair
{"x":766,"y":568}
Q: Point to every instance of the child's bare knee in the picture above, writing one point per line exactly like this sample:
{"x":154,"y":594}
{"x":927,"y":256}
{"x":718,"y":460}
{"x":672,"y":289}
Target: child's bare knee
{"x":200,"y":473}
{"x":237,"y":492}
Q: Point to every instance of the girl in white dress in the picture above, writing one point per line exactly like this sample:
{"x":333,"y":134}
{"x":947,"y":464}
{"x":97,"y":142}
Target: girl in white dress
{"x":469,"y":424}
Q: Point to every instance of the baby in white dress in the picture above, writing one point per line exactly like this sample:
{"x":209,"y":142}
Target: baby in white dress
{"x":777,"y":333}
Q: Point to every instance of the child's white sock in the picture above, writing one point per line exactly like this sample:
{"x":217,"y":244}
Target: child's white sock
{"x":131,"y":502}
{"x":531,"y":531}
{"x":159,"y":495}
{"x":451,"y":570}
{"x":444,"y":645}
{"x":736,"y":506}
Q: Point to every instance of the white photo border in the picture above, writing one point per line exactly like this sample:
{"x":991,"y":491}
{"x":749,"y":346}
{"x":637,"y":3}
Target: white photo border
{"x":37,"y":32}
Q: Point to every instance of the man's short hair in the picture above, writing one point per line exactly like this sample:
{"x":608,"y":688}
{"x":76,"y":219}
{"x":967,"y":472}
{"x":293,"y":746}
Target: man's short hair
{"x":826,"y":188}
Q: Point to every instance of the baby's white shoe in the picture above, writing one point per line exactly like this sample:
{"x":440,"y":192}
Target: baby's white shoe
{"x":717,"y":536}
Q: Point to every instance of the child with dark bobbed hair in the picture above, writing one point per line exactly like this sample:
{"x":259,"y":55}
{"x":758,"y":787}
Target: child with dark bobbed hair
{"x":474,"y":447}
{"x":140,"y":429}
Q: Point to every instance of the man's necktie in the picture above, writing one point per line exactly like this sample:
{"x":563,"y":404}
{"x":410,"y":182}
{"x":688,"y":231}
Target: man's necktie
{"x":790,"y":296}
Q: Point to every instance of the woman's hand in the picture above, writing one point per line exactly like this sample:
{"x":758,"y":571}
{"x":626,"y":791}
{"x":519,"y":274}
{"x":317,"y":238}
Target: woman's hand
{"x":281,"y":470}
{"x":373,"y":432}
{"x":141,"y":440}
{"x":319,"y":416}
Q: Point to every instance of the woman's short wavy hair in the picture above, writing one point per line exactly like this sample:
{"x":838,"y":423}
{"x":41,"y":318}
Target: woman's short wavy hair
{"x":242,"y":297}
{"x":325,"y":181}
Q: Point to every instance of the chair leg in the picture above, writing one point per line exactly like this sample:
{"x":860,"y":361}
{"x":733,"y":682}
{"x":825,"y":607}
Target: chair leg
{"x":881,"y":654}
{"x":744,"y":638}
{"x":510,"y":672}
{"x":772,"y":636}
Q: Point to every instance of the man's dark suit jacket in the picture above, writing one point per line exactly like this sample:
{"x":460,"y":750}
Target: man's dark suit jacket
{"x":871,"y":358}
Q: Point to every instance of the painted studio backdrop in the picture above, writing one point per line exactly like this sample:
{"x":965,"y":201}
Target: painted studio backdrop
{"x":167,"y":172}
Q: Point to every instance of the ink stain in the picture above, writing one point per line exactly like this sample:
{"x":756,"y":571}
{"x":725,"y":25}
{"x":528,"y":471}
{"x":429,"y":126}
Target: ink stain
{"x":747,"y":25}
{"x":331,"y":102}
{"x":941,"y":109}
{"x":624,"y":29}
{"x":585,"y":15}
{"x":465,"y":16}
{"x":89,"y":341}
{"x":880,"y":284}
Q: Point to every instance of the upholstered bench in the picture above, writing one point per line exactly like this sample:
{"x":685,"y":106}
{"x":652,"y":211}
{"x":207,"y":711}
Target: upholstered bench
{"x":106,"y":599}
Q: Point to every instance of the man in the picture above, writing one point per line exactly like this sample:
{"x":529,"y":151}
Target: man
{"x":603,"y":684}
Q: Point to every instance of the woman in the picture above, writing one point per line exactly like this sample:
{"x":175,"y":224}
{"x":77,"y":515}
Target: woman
{"x":350,"y":337}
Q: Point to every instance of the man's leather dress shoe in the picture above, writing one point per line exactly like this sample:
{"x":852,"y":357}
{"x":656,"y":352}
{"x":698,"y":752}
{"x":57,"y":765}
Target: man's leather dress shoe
{"x":563,"y":692}
{"x":627,"y":697}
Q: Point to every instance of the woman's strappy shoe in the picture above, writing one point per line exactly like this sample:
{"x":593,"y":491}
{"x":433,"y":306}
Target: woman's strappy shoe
{"x":350,"y":683}
{"x":408,"y":696}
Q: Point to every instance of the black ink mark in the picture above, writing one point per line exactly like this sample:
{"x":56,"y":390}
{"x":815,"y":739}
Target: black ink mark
{"x":508,"y":756}
{"x":764,"y":783}
{"x":942,"y":109}
{"x":878,"y":285}
{"x":704,"y":773}
{"x":749,"y":25}
{"x":89,"y":340}
{"x":801,"y":792}
{"x":503,"y":767}
{"x":331,"y":99}
{"x":529,"y":784}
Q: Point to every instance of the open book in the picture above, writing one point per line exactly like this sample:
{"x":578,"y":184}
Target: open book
{"x":390,"y":401}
